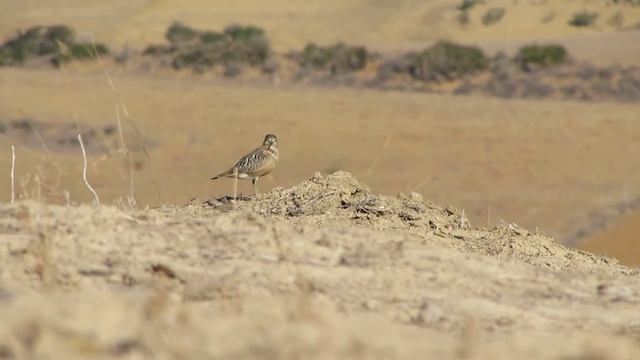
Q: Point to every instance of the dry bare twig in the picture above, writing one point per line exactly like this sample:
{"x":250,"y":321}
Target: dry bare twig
{"x":84,"y":171}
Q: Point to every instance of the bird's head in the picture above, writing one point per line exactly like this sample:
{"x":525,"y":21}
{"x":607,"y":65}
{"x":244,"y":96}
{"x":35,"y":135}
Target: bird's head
{"x":270,"y":141}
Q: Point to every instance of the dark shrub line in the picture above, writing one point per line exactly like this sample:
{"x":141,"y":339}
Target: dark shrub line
{"x":54,"y":42}
{"x":236,"y":45}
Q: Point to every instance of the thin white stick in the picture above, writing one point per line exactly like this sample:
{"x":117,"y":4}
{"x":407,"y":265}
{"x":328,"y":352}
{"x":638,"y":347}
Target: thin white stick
{"x":13,"y":167}
{"x":84,"y":170}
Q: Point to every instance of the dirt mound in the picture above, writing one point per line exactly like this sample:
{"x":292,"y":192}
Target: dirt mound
{"x":324,"y":269}
{"x":340,"y":200}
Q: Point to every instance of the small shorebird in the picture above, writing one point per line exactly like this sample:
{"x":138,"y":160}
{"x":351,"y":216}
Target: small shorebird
{"x":255,"y":164}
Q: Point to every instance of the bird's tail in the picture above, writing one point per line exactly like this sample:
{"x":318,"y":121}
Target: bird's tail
{"x":226,"y":173}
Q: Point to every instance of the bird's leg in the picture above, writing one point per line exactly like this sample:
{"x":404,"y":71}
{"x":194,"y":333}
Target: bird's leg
{"x":255,"y":185}
{"x":235,"y":185}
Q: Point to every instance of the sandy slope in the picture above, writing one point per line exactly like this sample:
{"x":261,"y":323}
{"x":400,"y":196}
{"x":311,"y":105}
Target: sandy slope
{"x":322,"y":270}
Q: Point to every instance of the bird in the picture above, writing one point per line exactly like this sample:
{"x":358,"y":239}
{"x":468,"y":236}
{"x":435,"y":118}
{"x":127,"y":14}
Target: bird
{"x":259,"y":162}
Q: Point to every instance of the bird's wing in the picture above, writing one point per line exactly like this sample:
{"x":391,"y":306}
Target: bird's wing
{"x":249,"y":162}
{"x":246,"y":163}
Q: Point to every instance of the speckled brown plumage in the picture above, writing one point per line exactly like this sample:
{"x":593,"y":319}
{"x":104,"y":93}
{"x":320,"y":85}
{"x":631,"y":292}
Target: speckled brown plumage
{"x":255,"y":164}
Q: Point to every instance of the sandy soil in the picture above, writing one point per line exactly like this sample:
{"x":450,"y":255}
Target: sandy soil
{"x":324,"y":269}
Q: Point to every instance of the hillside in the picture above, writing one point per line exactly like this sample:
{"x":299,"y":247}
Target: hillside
{"x":324,"y":269}
{"x":390,"y":25}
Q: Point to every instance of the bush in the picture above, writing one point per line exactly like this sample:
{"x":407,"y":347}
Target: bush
{"x":57,"y":41}
{"x":210,"y":37}
{"x":24,"y":46}
{"x":449,"y":61}
{"x":179,"y":33}
{"x":541,"y":55}
{"x":199,"y":50}
{"x":493,"y":15}
{"x":583,"y":19}
{"x":340,"y":58}
{"x":240,"y":33}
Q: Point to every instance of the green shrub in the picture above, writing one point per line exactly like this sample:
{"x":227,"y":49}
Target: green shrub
{"x":240,"y":33}
{"x":449,"y":61}
{"x":179,"y":33}
{"x":79,"y":51}
{"x":542,"y":55}
{"x":493,"y":15}
{"x":56,"y":41}
{"x":209,"y":37}
{"x":583,"y":19}
{"x":192,"y":58}
{"x":158,"y":50}
{"x":340,"y":58}
{"x":23,"y":46}
{"x":192,"y":48}
{"x":54,"y":36}
{"x":60,"y":33}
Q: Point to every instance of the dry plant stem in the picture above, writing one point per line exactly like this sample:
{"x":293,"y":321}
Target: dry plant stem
{"x":13,"y":168}
{"x":126,"y":114}
{"x":131,"y":200}
{"x":84,"y":171}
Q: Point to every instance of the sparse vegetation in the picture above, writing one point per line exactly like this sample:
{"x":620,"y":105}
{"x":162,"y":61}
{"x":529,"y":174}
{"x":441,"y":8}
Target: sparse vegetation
{"x":541,"y":55}
{"x":447,"y":61}
{"x":493,"y":15}
{"x":583,"y":19}
{"x":199,"y":50}
{"x":56,"y":42}
{"x":339,"y":58}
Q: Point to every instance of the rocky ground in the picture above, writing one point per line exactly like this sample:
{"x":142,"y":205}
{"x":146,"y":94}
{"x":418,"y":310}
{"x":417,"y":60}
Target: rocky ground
{"x":324,"y":269}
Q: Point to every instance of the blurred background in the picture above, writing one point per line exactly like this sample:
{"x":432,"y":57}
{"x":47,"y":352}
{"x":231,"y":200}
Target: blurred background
{"x":525,"y":112}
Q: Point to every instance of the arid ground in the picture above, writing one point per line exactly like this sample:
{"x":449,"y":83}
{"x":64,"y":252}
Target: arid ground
{"x":324,"y":269}
{"x":319,"y":266}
